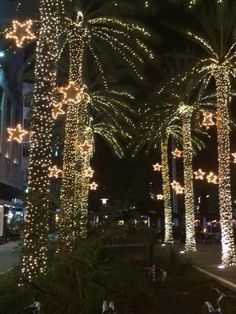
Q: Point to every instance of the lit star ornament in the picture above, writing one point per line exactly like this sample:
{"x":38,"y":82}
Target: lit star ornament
{"x":16,"y":134}
{"x":88,"y":173}
{"x":174,"y":184}
{"x":199,"y":175}
{"x":160,"y":197}
{"x":72,"y":93}
{"x":21,"y":32}
{"x":93,"y":186}
{"x":208,"y":120}
{"x":179,"y":189}
{"x":157,"y":167}
{"x":86,"y":148}
{"x":57,"y":111}
{"x":234,"y":156}
{"x":212,"y":178}
{"x":54,"y":172}
{"x":177,"y":153}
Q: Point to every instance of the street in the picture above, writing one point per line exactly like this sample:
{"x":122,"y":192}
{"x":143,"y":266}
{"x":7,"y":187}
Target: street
{"x":8,"y":256}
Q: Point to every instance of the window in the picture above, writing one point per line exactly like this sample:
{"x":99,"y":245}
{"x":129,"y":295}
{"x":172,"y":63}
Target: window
{"x":25,"y":151}
{"x":27,"y":103}
{"x":26,"y":124}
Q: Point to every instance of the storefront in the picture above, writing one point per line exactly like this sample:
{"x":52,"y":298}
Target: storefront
{"x":11,"y":219}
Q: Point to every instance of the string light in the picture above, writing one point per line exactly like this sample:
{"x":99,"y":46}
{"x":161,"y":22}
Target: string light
{"x":88,"y":172}
{"x":93,"y":186}
{"x":57,"y":110}
{"x":157,"y":167}
{"x":221,"y":66}
{"x":36,"y":228}
{"x":177,"y":153}
{"x":234,"y":156}
{"x":208,"y":120}
{"x":212,"y":178}
{"x":199,"y":175}
{"x":72,"y":93}
{"x":16,"y":134}
{"x":54,"y":172}
{"x":160,"y":197}
{"x":21,"y":32}
{"x":174,"y":184}
{"x":186,"y":117}
{"x":86,"y":148}
{"x":179,"y":189}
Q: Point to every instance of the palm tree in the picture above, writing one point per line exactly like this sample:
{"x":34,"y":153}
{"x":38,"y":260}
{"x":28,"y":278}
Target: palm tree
{"x":217,"y":41}
{"x":84,"y":36}
{"x":179,"y":100}
{"x":36,"y":228}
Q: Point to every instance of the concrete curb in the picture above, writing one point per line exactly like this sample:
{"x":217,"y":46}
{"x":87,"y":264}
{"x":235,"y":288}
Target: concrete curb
{"x":224,"y":282}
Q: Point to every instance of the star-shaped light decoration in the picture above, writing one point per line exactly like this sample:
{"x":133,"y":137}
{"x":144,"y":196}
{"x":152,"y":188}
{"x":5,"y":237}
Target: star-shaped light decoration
{"x":86,"y":148}
{"x":16,"y":134}
{"x":160,"y":197}
{"x":208,"y":120}
{"x":174,"y":184}
{"x":234,"y":156}
{"x":199,"y":175}
{"x":88,"y":172}
{"x":93,"y":186}
{"x":54,"y":172}
{"x":57,"y":111}
{"x":21,"y":32}
{"x":72,"y":93}
{"x":212,"y":178}
{"x":179,"y":189}
{"x":177,"y":153}
{"x":157,"y":167}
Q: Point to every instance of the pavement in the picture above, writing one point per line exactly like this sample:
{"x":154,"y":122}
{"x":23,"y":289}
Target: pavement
{"x":207,"y":258}
{"x":9,"y":258}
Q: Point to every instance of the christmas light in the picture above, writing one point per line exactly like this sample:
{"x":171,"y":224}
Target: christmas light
{"x":174,"y":184}
{"x":93,"y":186}
{"x":219,"y":64}
{"x":179,"y":189}
{"x":36,"y":227}
{"x":234,"y":156}
{"x":54,"y":172}
{"x":21,"y":32}
{"x":208,"y":120}
{"x":57,"y":110}
{"x":86,"y":148}
{"x":157,"y":167}
{"x":160,"y":197}
{"x":177,"y":153}
{"x":88,"y":172}
{"x":16,"y":134}
{"x":72,"y":93}
{"x":186,"y":112}
{"x":212,"y":178}
{"x":199,"y":175}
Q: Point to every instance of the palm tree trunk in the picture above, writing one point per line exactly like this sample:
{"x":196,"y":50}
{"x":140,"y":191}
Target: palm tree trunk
{"x":190,"y":241}
{"x":37,"y":222}
{"x":72,"y":192}
{"x":166,"y":192}
{"x":225,"y":202}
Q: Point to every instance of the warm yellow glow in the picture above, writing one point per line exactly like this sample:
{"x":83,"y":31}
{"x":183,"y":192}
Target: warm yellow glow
{"x":72,"y":93}
{"x":199,"y":175}
{"x":16,"y":134}
{"x":88,"y":172}
{"x":234,"y":156}
{"x":93,"y":186}
{"x":86,"y":148}
{"x":21,"y":32}
{"x":54,"y":172}
{"x":208,"y":120}
{"x":157,"y":167}
{"x":57,"y":110}
{"x":212,"y":178}
{"x":177,"y":153}
{"x":160,"y":197}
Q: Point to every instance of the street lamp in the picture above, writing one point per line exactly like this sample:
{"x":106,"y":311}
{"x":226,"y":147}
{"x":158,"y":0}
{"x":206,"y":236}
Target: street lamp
{"x":2,"y":54}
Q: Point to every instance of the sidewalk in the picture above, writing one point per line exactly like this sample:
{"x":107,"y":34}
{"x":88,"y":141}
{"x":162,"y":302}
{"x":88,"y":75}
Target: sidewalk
{"x":8,"y":256}
{"x":207,"y":259}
